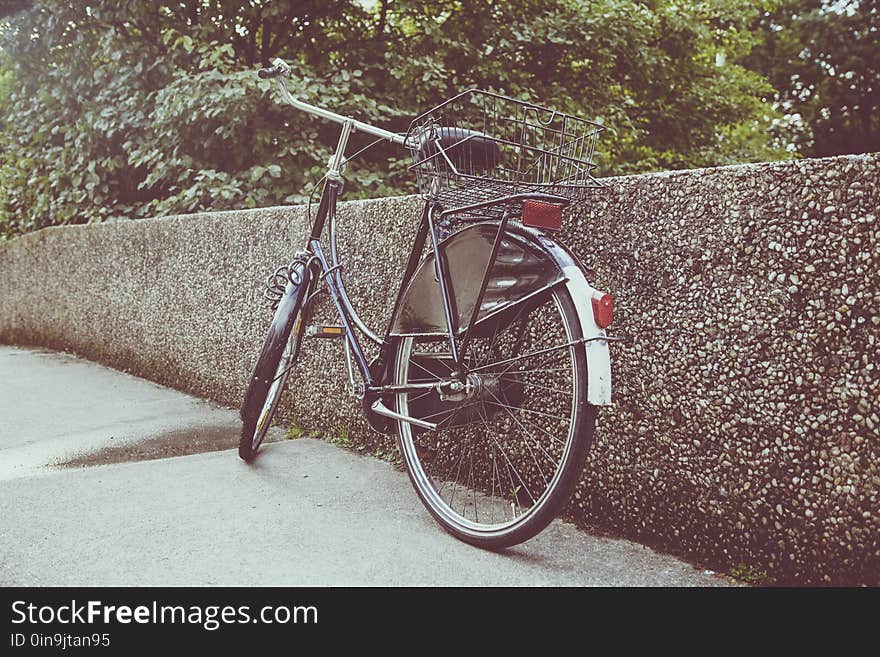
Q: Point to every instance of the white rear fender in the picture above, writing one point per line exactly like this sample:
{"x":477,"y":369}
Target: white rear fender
{"x":582,"y":294}
{"x":598,"y":356}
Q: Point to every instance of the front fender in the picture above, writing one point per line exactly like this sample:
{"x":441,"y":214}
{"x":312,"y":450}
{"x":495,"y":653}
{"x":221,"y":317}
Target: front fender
{"x":528,"y":262}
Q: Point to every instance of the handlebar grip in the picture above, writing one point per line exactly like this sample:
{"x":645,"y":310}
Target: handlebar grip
{"x":266,"y":73}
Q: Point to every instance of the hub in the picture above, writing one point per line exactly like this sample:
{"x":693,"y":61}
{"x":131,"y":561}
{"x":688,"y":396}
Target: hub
{"x":454,"y":390}
{"x":480,"y":397}
{"x":455,"y":402}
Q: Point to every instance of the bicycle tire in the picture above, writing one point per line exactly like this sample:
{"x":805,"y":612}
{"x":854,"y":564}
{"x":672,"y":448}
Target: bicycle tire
{"x":270,"y":374}
{"x":418,"y":459}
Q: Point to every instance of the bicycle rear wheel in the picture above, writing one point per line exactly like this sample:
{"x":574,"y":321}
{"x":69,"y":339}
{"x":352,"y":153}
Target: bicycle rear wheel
{"x":506,"y":457}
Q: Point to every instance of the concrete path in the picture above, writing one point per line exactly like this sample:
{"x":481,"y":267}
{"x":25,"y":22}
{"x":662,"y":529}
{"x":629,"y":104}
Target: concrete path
{"x":305,"y":513}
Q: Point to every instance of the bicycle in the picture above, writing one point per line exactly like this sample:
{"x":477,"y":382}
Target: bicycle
{"x":495,"y":357}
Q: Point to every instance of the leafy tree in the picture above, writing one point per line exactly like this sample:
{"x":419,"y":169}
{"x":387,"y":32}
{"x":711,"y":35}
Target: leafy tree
{"x":824,"y":58}
{"x":120,"y":109}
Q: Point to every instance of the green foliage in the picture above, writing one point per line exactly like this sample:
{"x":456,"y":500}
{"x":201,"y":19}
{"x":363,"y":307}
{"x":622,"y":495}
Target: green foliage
{"x":113,"y":109}
{"x":751,"y":575}
{"x":824,"y":59}
{"x":340,"y":437}
{"x":295,"y":431}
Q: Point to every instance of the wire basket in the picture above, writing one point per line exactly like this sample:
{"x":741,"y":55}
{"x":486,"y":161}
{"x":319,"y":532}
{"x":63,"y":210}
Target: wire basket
{"x":479,"y":147}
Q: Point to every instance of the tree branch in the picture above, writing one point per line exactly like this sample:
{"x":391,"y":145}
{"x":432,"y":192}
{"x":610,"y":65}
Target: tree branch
{"x":383,"y":19}
{"x":193,"y":7}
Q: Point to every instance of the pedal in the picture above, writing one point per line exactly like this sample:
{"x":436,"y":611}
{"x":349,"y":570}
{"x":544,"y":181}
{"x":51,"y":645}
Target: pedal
{"x":325,"y":331}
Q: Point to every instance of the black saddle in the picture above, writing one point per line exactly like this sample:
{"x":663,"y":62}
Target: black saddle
{"x":471,"y":152}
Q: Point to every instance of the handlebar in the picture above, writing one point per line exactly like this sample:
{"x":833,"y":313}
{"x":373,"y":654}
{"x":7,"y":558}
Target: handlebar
{"x":280,"y":69}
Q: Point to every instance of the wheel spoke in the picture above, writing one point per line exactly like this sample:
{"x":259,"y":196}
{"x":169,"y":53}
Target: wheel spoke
{"x":433,"y":375}
{"x":537,"y":385}
{"x":528,"y":410}
{"x":528,"y":446}
{"x":557,"y":369}
{"x":517,"y":317}
{"x":525,"y":356}
{"x":508,"y":464}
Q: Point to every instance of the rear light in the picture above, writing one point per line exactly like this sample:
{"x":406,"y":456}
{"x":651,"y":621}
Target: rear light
{"x":538,"y":214}
{"x":603,"y":309}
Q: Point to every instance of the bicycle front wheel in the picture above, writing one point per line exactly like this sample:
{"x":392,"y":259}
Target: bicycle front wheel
{"x":507,"y":454}
{"x":269,"y":378}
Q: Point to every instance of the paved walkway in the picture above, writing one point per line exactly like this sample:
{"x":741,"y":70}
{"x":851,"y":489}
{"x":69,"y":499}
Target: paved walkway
{"x":305,"y":513}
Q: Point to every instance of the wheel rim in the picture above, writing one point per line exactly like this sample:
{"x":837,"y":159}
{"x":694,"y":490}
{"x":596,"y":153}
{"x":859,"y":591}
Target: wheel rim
{"x":497,"y":472}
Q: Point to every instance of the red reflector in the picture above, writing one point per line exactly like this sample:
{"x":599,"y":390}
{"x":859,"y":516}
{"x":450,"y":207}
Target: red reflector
{"x":603,"y":310}
{"x":538,"y":214}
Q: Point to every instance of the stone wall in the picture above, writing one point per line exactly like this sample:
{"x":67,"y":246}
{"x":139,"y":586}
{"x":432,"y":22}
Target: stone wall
{"x":745,"y":430}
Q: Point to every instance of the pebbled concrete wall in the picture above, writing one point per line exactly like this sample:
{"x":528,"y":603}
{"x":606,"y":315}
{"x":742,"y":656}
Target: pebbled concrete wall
{"x":745,"y":432}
